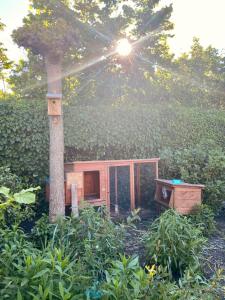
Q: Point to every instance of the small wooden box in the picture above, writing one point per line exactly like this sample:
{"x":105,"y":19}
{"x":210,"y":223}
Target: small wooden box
{"x":182,"y":197}
{"x":54,"y":107}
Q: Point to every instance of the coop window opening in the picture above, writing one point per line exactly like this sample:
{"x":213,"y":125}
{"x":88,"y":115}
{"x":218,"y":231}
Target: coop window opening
{"x":145,"y":175}
{"x":119,"y":184}
{"x":91,"y":185}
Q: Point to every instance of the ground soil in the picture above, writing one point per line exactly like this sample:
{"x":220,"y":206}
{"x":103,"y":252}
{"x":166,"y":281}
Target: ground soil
{"x":214,"y":251}
{"x":213,"y":254}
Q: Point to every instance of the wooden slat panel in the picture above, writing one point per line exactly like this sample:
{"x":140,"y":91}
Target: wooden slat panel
{"x":132,"y":187}
{"x":74,"y":178}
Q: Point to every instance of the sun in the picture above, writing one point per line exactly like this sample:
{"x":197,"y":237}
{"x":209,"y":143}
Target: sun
{"x":123,"y":47}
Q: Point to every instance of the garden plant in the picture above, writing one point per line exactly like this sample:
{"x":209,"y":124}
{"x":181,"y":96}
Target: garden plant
{"x":104,"y":105}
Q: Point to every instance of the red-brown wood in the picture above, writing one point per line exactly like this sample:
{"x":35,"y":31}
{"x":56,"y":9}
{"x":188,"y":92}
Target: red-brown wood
{"x":132,"y":187}
{"x":138,"y":185}
{"x":103,"y":168}
{"x":91,"y":185}
{"x":181,"y":197}
{"x":116,"y":191}
{"x":54,"y":107}
{"x":93,"y":181}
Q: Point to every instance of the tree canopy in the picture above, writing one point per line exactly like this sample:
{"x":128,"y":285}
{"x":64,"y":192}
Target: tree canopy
{"x":5,"y":63}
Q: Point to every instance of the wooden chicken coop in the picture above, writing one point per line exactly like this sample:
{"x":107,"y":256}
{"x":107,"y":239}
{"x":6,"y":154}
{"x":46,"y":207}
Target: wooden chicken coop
{"x":91,"y":181}
{"x":182,"y":197}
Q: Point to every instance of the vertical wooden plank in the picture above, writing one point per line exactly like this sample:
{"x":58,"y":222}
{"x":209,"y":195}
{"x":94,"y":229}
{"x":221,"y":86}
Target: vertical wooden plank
{"x":74,"y":200}
{"x":74,"y":178}
{"x":116,"y":192}
{"x":156,"y":170}
{"x":132,"y":187}
{"x":108,"y":188}
{"x":138,"y":185}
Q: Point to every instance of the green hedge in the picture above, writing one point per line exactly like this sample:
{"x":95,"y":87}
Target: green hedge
{"x":101,"y":132}
{"x":24,"y":139}
{"x":203,"y":163}
{"x":138,"y":131}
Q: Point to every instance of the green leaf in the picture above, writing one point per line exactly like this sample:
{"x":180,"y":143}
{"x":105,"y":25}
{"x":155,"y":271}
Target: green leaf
{"x":133,"y":263}
{"x":19,"y":296}
{"x":25,"y":196}
{"x":4,"y":191}
{"x":61,"y":289}
{"x":40,"y":274}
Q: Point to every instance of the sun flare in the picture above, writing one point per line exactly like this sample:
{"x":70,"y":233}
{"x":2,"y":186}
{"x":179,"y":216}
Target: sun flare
{"x":123,"y":48}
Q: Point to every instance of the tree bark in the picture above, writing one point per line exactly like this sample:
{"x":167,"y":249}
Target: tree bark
{"x":56,"y":147}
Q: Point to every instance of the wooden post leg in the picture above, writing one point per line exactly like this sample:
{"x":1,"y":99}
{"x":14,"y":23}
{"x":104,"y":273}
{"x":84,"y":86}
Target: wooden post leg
{"x":157,"y":197}
{"x":156,"y":170}
{"x":132,"y":187}
{"x":74,"y":200}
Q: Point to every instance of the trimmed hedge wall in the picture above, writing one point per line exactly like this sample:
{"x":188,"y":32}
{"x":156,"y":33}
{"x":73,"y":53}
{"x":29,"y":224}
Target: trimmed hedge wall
{"x":138,"y":131}
{"x":24,"y":139}
{"x":101,"y":133}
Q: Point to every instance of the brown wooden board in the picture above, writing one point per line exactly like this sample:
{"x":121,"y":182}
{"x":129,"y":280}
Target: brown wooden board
{"x":91,"y":182}
{"x":181,"y":197}
{"x":54,"y":107}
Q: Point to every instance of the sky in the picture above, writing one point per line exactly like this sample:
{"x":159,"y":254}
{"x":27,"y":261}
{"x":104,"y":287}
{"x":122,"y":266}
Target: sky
{"x":200,"y":18}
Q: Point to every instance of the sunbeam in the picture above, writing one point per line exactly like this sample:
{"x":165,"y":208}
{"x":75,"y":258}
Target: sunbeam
{"x":85,"y":65}
{"x":100,"y":71}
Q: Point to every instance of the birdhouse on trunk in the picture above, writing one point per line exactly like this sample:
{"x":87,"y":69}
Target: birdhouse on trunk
{"x":54,"y":104}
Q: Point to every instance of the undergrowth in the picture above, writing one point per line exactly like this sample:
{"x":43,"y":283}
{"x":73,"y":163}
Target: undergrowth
{"x":83,"y":258}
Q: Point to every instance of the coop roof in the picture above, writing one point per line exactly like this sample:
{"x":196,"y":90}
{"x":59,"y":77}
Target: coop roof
{"x":116,"y":162}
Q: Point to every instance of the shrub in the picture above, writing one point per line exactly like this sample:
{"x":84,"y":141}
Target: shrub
{"x":92,"y":237}
{"x":204,"y":163}
{"x":203,"y":217}
{"x":126,"y":280}
{"x":63,"y":260}
{"x":49,"y":274}
{"x":174,"y":243}
{"x":11,"y":204}
{"x":10,"y":180}
{"x":62,"y":267}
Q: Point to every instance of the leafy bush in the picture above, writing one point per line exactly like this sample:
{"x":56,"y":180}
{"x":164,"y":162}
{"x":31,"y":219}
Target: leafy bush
{"x":49,"y":274}
{"x":10,"y":205}
{"x":190,"y":286}
{"x":92,"y":237}
{"x":13,"y":245}
{"x":205,"y":163}
{"x":126,"y":280}
{"x":19,"y":213}
{"x":203,"y":217}
{"x":10,"y":180}
{"x":58,"y":260}
{"x":174,"y":243}
{"x":79,"y":258}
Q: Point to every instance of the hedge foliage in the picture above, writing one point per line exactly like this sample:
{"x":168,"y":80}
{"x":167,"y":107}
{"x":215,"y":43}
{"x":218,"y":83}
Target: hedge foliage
{"x":101,"y":132}
{"x":202,"y":163}
{"x":24,"y":138}
{"x":139,"y":131}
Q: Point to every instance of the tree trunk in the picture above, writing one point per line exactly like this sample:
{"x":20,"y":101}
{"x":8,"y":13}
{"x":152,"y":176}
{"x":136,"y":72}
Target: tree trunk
{"x":56,"y":136}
